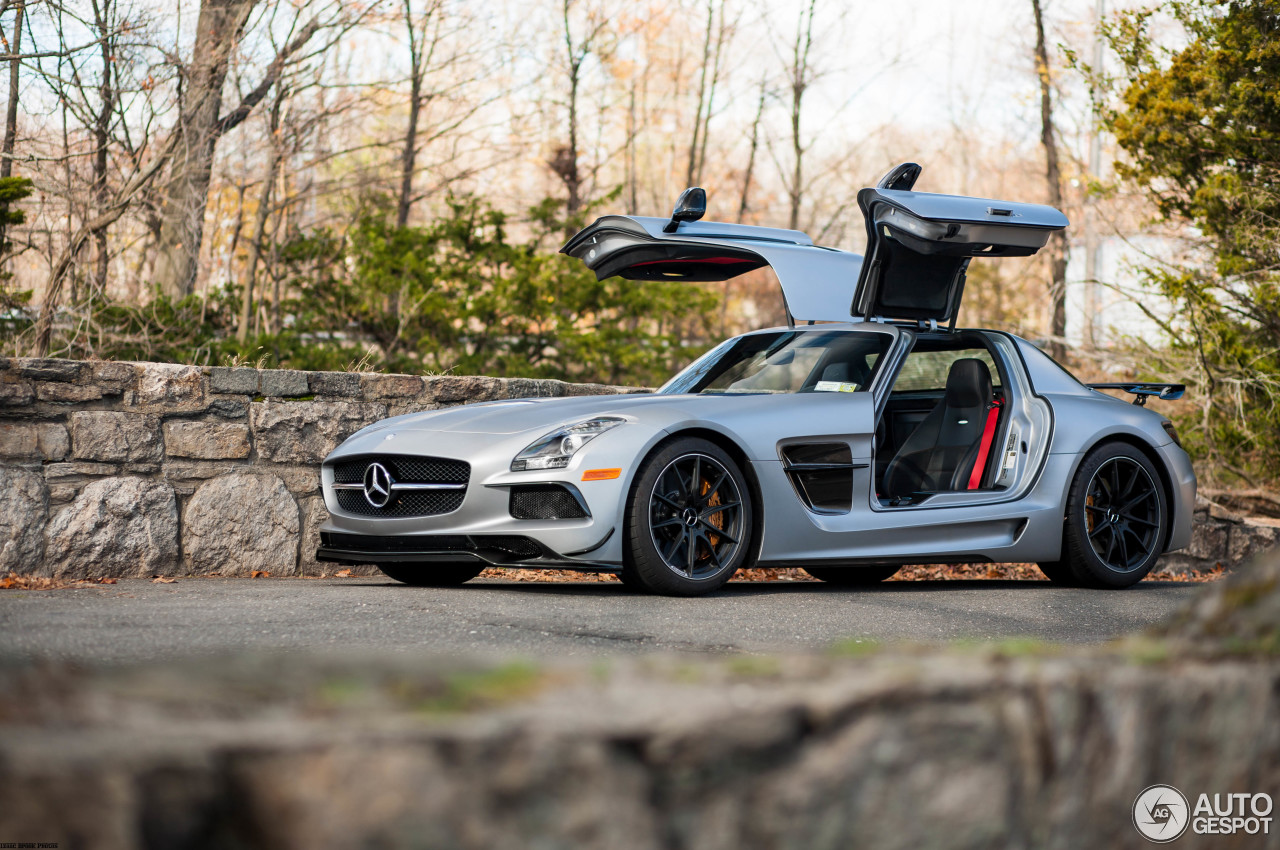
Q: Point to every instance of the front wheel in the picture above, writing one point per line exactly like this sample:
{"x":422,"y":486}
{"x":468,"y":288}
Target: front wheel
{"x":689,"y":520}
{"x":853,"y":576}
{"x":432,"y":575}
{"x":1116,"y":518}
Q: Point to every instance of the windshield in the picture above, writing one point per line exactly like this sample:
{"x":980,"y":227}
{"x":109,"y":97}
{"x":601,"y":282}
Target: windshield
{"x":796,"y":361}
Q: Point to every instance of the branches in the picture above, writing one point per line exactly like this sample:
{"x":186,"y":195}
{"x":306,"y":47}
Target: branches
{"x":236,"y":116}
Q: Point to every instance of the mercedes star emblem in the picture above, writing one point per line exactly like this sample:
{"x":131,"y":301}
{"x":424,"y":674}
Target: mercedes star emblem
{"x":377,"y":485}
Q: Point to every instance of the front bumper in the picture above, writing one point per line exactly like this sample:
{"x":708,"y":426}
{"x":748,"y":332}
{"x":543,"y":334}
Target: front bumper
{"x":499,"y":550}
{"x":484,"y":515}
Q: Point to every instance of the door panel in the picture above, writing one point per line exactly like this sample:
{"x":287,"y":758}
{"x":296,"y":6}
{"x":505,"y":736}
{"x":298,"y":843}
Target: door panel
{"x":919,"y":246}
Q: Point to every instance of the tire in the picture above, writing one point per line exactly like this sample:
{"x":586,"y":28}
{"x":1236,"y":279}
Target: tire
{"x":1059,"y":572}
{"x":1117,"y":518}
{"x":689,"y":520}
{"x":432,"y":575}
{"x":852,"y":576}
{"x":630,"y":581}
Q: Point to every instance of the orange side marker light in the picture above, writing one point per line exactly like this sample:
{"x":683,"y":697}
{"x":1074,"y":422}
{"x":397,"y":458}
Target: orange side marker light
{"x":601,"y":474}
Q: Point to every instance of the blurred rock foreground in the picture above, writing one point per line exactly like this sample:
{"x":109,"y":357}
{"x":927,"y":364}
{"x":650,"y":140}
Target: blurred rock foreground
{"x":1008,"y":745}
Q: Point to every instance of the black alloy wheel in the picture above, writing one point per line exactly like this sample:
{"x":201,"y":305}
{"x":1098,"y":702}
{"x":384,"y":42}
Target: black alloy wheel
{"x":689,"y":520}
{"x":1116,"y":517}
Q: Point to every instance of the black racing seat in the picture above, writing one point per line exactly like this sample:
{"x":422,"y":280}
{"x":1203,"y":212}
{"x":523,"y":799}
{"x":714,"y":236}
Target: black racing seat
{"x":941,"y":452}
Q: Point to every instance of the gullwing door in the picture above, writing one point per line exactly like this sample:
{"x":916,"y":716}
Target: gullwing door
{"x":816,"y":282}
{"x":919,"y":246}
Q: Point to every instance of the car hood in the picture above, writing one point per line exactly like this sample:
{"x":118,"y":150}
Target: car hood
{"x":514,"y":417}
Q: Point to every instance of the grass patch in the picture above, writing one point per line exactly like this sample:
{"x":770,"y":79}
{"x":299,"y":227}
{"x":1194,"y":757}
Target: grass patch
{"x":754,"y":666}
{"x":475,"y":689}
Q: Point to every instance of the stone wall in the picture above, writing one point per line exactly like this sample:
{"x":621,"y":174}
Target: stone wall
{"x":1222,"y":538}
{"x":140,"y":469}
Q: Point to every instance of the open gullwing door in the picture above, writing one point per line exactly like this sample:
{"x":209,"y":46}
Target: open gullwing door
{"x":919,"y":246}
{"x":817,"y":282}
{"x":918,"y":249}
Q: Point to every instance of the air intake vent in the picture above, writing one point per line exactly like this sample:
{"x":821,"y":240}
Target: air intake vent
{"x":546,"y":501}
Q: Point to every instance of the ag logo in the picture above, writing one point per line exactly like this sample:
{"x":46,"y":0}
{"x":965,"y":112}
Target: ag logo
{"x":1161,"y":813}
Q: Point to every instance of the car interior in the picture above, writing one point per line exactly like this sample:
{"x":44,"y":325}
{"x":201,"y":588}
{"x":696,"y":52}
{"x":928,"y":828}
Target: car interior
{"x":938,"y":429}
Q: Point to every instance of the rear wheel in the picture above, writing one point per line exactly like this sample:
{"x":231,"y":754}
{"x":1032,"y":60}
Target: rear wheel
{"x":432,"y":575}
{"x":1116,"y":516}
{"x":852,"y":576}
{"x":688,"y":520}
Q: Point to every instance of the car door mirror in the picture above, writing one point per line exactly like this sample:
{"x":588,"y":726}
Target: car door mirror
{"x":690,"y":206}
{"x":901,"y":177}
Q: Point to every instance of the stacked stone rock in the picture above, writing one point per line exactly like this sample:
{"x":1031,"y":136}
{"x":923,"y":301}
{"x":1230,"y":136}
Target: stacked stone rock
{"x":141,"y":469}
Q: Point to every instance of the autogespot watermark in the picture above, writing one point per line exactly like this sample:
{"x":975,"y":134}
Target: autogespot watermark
{"x":1162,"y":813}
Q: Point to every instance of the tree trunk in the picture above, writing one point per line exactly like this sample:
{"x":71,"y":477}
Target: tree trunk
{"x":633,"y":179}
{"x":565,"y":164}
{"x":409,"y":156}
{"x":692,"y":173}
{"x":799,"y":84}
{"x":101,"y":138}
{"x":11,"y":112}
{"x":1056,"y":250}
{"x":218,"y":30}
{"x":260,"y":225}
{"x":744,"y":203}
{"x":716,"y":57}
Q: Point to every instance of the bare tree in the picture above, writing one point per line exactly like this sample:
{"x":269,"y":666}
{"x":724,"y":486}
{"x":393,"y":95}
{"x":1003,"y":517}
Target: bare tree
{"x":202,"y":123}
{"x":566,"y":163}
{"x":261,"y":215}
{"x":422,"y":47}
{"x":106,"y":110}
{"x":12,"y":46}
{"x":708,"y":80}
{"x":800,"y":77}
{"x":446,"y":64}
{"x":1056,"y":250}
{"x":744,"y":202}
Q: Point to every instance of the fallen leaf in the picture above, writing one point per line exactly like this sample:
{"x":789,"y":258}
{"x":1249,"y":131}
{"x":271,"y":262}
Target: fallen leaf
{"x":343,"y":573}
{"x":162,"y":580}
{"x":105,"y":580}
{"x":260,"y":574}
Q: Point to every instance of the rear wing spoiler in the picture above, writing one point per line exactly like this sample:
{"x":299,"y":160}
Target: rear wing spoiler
{"x":1143,"y":390}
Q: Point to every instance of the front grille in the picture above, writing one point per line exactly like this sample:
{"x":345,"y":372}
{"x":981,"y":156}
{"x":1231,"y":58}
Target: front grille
{"x":514,"y":546}
{"x":412,"y":503}
{"x":545,"y":501}
{"x":407,"y":470}
{"x":411,"y":470}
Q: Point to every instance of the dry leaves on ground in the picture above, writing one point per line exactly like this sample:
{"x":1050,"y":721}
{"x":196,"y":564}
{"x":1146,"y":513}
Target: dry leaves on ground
{"x":162,"y":580}
{"x":13,"y":581}
{"x":932,"y":572}
{"x":259,"y":574}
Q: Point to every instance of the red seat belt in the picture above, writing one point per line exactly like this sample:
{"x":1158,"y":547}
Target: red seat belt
{"x":984,"y":449}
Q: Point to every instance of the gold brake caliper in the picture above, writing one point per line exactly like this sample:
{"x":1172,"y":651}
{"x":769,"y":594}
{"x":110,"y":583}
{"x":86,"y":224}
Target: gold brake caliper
{"x":716,"y":519}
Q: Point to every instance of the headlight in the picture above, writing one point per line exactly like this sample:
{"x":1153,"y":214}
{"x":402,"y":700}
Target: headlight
{"x":554,"y":450}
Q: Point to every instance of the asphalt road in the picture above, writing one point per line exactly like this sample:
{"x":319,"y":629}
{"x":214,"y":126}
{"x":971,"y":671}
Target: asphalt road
{"x":137,"y":620}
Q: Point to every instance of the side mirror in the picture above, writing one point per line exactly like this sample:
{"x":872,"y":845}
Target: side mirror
{"x":901,"y":177}
{"x":690,"y":206}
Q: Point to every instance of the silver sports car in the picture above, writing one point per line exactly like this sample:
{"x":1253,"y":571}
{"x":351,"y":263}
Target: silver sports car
{"x":868,"y":433}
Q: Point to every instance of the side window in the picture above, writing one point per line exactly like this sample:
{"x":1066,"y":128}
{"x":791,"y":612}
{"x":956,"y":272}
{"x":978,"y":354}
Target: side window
{"x":927,"y":370}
